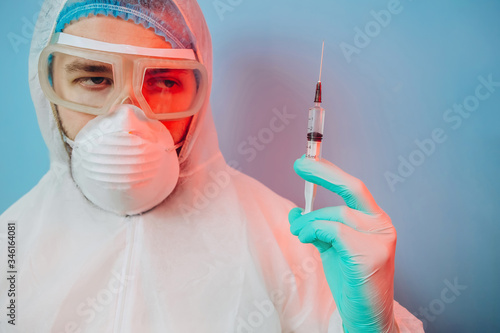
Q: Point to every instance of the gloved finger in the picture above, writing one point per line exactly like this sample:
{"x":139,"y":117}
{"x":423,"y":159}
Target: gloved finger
{"x":294,"y":213}
{"x":331,"y":177}
{"x":343,"y":214}
{"x":327,"y":232}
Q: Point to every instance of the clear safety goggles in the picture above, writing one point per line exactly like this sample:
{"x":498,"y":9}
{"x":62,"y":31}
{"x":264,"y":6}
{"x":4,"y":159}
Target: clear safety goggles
{"x":90,"y":76}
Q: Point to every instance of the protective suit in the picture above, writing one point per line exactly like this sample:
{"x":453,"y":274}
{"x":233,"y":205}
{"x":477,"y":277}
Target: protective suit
{"x":216,"y":256}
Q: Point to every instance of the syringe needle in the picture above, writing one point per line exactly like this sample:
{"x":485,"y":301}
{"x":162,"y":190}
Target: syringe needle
{"x":321,"y":66}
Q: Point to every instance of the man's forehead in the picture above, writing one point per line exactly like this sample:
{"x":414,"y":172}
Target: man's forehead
{"x":115,"y":30}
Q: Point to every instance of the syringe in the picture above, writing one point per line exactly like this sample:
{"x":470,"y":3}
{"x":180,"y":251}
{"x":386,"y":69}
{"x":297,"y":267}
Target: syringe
{"x":314,"y":136}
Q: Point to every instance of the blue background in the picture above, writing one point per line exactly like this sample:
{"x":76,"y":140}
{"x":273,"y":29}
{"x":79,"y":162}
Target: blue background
{"x":394,"y":91}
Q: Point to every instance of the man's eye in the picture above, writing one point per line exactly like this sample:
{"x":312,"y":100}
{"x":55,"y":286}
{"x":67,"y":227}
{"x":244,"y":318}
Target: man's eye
{"x":169,"y":83}
{"x":95,"y":82}
{"x":159,"y":83}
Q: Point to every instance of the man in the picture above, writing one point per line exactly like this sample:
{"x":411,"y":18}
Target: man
{"x":141,"y":226}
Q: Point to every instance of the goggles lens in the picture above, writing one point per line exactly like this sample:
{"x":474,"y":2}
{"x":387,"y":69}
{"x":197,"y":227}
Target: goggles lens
{"x":81,"y":81}
{"x":170,"y":90}
{"x":91,"y":82}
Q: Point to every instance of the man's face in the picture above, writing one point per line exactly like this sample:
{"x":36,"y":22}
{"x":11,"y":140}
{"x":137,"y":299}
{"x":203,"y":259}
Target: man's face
{"x":110,"y":30}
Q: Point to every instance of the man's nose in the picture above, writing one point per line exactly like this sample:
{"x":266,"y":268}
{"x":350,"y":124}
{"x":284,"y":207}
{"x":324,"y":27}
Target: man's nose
{"x":128,"y":95}
{"x":128,"y":100}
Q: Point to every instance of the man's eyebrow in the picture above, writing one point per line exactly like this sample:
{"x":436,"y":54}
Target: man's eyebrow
{"x":78,"y":66}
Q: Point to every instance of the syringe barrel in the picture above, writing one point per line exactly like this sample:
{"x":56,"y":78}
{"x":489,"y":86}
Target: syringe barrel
{"x":315,"y":131}
{"x":315,"y":123}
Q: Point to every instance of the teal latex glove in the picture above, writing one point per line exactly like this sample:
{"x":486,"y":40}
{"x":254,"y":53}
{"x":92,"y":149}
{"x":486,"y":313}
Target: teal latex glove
{"x":357,"y":244}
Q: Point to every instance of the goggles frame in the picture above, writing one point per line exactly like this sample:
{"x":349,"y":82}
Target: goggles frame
{"x":124,"y":59}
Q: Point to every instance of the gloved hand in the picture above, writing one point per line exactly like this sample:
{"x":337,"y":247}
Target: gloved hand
{"x":357,"y":244}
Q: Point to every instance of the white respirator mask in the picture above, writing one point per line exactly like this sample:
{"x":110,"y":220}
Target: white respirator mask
{"x":124,"y":162}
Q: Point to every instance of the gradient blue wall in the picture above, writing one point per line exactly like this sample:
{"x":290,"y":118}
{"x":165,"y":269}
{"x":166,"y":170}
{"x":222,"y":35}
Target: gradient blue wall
{"x":396,"y":90}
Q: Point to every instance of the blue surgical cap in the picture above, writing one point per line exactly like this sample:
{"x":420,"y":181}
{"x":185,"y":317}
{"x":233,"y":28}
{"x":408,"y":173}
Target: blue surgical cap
{"x":161,"y":15}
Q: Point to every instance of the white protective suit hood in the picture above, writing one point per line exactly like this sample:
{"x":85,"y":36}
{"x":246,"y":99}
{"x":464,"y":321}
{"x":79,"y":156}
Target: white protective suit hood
{"x":216,"y":256}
